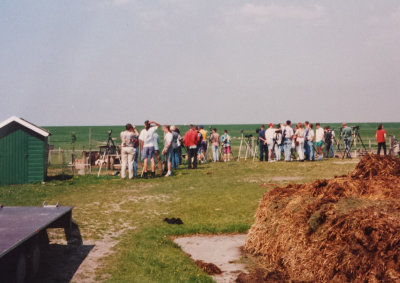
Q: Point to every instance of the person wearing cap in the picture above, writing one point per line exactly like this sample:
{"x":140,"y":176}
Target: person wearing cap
{"x":287,"y":133}
{"x":299,"y":141}
{"x":269,"y":139}
{"x":147,"y":144}
{"x":127,"y":150}
{"x":346,"y":135}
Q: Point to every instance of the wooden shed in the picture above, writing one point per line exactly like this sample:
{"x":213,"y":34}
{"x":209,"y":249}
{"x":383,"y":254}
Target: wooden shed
{"x":24,"y":152}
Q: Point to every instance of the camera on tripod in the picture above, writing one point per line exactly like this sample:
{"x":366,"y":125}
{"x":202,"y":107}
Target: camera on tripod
{"x":355,"y":127}
{"x":248,"y":136}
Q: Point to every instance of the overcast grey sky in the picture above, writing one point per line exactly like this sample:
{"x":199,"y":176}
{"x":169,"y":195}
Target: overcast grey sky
{"x":95,"y":62}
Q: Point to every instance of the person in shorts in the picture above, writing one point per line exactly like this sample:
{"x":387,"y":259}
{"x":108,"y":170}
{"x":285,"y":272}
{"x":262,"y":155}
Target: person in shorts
{"x":226,"y":145}
{"x":147,"y":144}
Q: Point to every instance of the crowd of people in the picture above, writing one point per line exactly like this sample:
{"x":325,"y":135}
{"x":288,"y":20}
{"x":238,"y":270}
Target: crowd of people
{"x":301,"y":142}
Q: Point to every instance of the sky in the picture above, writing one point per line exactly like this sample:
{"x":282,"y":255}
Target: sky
{"x":109,"y":62}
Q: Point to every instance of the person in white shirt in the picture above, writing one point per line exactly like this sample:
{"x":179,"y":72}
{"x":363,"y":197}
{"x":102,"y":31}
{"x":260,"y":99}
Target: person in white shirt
{"x":269,"y":138}
{"x":310,"y":142}
{"x":147,"y":144}
{"x":167,"y":151}
{"x":127,"y":150}
{"x":300,"y":137}
{"x":287,"y":140}
{"x":319,"y":139}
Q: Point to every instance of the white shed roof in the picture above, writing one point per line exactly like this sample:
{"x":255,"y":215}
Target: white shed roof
{"x":26,"y":124}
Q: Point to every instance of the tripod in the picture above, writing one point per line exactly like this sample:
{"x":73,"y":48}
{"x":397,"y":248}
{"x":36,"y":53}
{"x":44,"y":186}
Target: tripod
{"x":337,"y":143}
{"x":110,"y":148}
{"x":356,"y":138}
{"x":250,"y":149}
{"x":274,"y":145}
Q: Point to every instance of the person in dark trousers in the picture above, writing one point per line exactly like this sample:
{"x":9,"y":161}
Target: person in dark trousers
{"x":381,"y":139}
{"x":327,"y":141}
{"x":262,"y":144}
{"x":346,"y":133}
{"x":191,"y":140}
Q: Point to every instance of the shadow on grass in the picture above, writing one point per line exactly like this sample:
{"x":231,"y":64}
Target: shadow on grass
{"x":59,"y":263}
{"x":59,"y":177}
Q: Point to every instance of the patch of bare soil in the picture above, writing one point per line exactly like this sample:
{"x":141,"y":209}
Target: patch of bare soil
{"x":220,"y":251}
{"x":209,"y":268}
{"x":346,"y":229}
{"x":261,"y":179}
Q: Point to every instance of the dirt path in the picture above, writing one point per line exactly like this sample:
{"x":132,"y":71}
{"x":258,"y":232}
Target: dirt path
{"x":223,"y":251}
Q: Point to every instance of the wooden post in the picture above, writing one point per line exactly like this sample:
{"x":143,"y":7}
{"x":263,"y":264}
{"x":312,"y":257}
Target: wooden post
{"x":62,"y":162}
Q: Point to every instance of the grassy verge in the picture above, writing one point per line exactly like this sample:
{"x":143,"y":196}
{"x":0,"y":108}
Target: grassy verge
{"x":216,"y":198}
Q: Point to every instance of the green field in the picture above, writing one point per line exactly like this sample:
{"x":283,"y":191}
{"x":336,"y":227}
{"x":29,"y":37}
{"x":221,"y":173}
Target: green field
{"x":61,"y":136}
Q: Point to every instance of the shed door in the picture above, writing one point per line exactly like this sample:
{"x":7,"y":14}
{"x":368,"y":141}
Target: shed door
{"x":14,"y":158}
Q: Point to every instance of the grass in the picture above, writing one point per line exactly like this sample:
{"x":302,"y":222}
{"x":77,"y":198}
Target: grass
{"x":216,"y":198}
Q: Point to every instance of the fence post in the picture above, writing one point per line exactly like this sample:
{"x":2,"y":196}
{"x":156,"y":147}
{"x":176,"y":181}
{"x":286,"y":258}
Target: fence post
{"x":90,"y":151}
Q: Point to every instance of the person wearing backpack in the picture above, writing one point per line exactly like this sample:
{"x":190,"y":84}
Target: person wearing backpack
{"x":175,"y":144}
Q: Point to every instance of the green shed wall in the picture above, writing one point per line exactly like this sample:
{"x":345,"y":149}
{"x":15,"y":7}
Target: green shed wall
{"x":23,"y":157}
{"x":13,"y":158}
{"x":35,"y":159}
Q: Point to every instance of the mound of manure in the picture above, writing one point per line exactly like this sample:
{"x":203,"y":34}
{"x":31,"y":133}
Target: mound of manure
{"x":338,"y":230}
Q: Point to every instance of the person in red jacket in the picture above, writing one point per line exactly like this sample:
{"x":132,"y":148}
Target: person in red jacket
{"x":191,"y":140}
{"x":381,"y":139}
